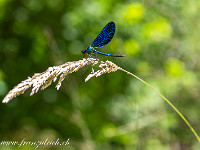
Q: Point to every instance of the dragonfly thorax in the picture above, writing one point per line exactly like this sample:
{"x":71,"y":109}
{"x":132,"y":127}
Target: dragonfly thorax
{"x":88,"y":50}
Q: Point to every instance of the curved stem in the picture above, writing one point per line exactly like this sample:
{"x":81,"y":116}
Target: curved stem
{"x":177,"y":111}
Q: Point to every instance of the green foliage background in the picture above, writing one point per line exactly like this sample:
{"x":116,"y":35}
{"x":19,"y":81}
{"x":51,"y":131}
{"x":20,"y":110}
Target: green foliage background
{"x":115,"y":111}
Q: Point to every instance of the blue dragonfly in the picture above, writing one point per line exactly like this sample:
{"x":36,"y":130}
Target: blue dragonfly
{"x":101,"y":40}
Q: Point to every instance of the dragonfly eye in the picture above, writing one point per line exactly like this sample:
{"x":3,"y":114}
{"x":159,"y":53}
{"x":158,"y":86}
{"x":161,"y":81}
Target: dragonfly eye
{"x":83,"y":51}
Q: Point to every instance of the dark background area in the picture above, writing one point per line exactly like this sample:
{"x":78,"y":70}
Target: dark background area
{"x":114,"y":111}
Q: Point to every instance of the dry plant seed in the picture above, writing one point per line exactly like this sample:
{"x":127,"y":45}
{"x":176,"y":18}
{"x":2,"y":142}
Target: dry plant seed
{"x":44,"y":79}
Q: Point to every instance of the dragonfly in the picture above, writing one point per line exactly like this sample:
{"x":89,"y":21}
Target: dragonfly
{"x":101,"y":40}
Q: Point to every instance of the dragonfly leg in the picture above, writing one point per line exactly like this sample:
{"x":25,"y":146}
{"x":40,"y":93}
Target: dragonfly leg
{"x":92,"y":54}
{"x":88,"y":54}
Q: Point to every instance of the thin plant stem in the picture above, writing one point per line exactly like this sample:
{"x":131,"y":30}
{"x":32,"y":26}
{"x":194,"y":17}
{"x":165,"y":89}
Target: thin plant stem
{"x":177,"y":111}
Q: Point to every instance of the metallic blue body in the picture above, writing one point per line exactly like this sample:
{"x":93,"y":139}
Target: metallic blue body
{"x":101,"y":40}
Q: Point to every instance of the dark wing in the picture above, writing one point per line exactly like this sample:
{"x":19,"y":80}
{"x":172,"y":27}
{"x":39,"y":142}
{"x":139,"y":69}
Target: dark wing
{"x":105,"y":36}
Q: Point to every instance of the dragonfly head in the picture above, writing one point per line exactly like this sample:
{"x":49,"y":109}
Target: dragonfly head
{"x":83,"y":51}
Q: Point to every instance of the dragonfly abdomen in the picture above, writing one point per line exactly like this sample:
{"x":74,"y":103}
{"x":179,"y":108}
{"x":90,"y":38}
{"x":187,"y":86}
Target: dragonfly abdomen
{"x":108,"y":54}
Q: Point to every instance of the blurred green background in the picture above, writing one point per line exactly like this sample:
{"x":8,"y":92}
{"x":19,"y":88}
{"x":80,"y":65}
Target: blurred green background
{"x":114,"y":111}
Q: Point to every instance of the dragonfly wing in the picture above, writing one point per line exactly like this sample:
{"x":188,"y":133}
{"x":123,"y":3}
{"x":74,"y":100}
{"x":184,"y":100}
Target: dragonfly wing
{"x":105,"y":36}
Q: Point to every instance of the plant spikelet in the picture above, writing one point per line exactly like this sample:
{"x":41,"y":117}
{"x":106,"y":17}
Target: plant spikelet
{"x":43,"y":80}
